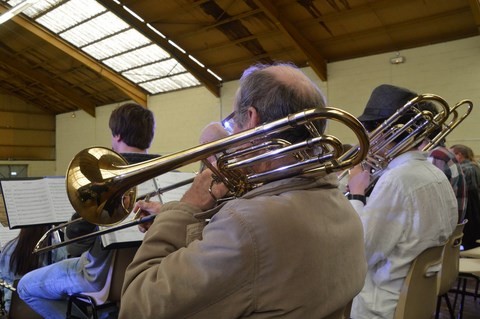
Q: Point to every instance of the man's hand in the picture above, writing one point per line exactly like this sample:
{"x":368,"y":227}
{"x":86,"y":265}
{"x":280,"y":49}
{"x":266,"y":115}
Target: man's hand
{"x":199,"y":196}
{"x":358,"y":181}
{"x":143,"y":209}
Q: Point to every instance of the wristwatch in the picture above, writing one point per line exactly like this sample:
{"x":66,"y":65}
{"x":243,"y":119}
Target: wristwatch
{"x":361,"y":198}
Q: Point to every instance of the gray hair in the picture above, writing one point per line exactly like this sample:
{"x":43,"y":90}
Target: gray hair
{"x":276,"y":91}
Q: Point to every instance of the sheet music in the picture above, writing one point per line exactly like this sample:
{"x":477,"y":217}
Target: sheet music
{"x":146,"y":188}
{"x":6,"y":235}
{"x":3,"y":212}
{"x":171,"y":178}
{"x":132,"y":235}
{"x":36,"y":201}
{"x":127,"y":235}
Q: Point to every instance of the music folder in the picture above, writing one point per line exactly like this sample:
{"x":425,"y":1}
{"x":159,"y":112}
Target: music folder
{"x":131,"y":236}
{"x":36,"y":201}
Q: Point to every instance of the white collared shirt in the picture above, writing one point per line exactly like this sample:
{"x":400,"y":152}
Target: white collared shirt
{"x":412,"y":207}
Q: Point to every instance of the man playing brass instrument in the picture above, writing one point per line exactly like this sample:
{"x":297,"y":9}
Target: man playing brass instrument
{"x":412,"y":207}
{"x":291,"y":248}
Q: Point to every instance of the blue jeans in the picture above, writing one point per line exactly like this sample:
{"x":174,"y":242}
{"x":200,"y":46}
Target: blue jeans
{"x":46,"y":289}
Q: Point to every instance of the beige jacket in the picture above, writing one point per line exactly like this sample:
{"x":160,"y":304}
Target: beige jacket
{"x":289,"y":249}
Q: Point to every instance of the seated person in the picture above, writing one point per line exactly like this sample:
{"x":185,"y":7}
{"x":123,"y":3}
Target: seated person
{"x":46,"y":290}
{"x":412,"y":207}
{"x":471,"y":232}
{"x":17,"y":258}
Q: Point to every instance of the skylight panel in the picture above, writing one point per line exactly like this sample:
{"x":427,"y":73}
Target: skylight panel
{"x":176,"y":82}
{"x":119,"y":43}
{"x":137,"y":58}
{"x":92,"y":30}
{"x":154,"y":71}
{"x":37,"y":8}
{"x":70,"y":14}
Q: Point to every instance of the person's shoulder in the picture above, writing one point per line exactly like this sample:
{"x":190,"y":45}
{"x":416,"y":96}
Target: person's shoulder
{"x":441,"y":154}
{"x":138,"y":157}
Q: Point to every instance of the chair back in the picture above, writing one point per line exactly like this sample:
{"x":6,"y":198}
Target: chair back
{"x":122,"y":259}
{"x":450,"y":260}
{"x":418,"y":296}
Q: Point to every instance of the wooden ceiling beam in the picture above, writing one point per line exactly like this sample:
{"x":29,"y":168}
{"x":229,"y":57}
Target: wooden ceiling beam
{"x":210,"y":82}
{"x":315,"y":59}
{"x":475,"y":5}
{"x":404,"y":25}
{"x":226,"y":44}
{"x":16,"y":65}
{"x":352,"y":12}
{"x":121,"y":83}
{"x":253,"y":59}
{"x":213,"y":26}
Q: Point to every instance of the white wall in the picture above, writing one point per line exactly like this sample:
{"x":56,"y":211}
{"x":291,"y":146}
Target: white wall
{"x":451,"y":70}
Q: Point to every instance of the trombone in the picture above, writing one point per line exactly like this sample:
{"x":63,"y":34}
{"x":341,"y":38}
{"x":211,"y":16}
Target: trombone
{"x":447,"y":128}
{"x":402,"y":133}
{"x":101,"y":185}
{"x":404,"y":136}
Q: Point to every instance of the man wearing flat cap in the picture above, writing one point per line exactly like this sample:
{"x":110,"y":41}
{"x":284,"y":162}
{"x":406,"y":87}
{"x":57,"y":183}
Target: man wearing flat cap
{"x":412,"y":207}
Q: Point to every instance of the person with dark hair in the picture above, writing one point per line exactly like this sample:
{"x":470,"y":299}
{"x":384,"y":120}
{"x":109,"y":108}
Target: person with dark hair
{"x":298,"y":233}
{"x":46,"y":290}
{"x":471,"y":231}
{"x":412,"y":207}
{"x":17,"y":258}
{"x":133,"y":127}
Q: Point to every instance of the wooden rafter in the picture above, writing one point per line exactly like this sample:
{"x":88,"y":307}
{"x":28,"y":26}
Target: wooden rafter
{"x":18,"y":66}
{"x":121,"y":83}
{"x":475,"y":5}
{"x":210,"y":82}
{"x":315,"y":59}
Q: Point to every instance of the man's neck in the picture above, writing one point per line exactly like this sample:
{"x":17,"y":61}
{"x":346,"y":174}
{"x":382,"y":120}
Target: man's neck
{"x":129,"y":149}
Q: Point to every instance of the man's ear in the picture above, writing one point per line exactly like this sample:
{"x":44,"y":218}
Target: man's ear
{"x":117,"y":138}
{"x":253,"y":117}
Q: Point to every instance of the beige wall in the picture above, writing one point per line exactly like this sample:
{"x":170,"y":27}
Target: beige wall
{"x":35,"y":168}
{"x":451,"y":70}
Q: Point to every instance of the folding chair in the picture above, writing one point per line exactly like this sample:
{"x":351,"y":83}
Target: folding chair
{"x":449,"y":271}
{"x":109,"y":297}
{"x":419,"y":291}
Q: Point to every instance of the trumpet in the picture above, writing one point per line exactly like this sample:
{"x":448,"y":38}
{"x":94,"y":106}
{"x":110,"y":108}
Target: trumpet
{"x":101,"y":186}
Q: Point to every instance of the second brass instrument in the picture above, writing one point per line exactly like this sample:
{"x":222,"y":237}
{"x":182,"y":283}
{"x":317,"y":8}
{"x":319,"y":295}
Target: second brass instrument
{"x":404,"y":136}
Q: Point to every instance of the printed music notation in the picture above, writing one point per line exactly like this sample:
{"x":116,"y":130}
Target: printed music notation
{"x":36,"y":201}
{"x":131,"y":236}
{"x":6,"y":235}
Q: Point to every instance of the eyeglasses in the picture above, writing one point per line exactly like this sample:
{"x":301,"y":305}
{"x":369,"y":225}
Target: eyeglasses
{"x":228,"y":122}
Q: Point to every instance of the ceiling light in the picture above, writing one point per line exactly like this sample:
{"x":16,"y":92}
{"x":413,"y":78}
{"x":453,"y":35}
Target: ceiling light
{"x":398,"y":59}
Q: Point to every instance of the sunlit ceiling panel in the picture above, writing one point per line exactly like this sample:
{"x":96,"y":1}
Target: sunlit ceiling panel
{"x":97,"y":28}
{"x":116,"y":44}
{"x":172,"y":83}
{"x":70,"y":13}
{"x":161,"y":69}
{"x":136,"y":58}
